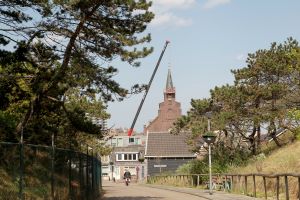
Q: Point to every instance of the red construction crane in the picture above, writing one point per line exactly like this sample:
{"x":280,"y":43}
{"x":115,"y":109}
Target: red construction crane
{"x":147,"y":89}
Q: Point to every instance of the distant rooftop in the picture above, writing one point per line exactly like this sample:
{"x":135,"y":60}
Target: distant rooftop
{"x":164,"y":144}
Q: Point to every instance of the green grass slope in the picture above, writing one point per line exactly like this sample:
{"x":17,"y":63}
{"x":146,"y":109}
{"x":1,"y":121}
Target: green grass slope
{"x":282,"y":160}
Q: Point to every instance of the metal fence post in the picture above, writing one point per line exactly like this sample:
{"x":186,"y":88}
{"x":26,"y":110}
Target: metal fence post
{"x":87,"y":172}
{"x":100,"y":174}
{"x":69,"y":172}
{"x":81,"y":174}
{"x":21,"y":146}
{"x":52,"y":166}
{"x":93,"y":175}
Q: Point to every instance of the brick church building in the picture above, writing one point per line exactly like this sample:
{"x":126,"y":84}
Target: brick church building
{"x":169,"y":110}
{"x":166,"y":152}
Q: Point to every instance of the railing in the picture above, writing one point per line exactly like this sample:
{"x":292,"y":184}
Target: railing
{"x":45,"y":172}
{"x":278,"y":186}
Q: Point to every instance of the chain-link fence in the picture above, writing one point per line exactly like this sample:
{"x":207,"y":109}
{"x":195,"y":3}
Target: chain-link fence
{"x":43,"y":172}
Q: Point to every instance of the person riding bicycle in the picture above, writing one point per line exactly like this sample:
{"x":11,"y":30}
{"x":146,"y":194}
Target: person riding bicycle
{"x":127,"y":175}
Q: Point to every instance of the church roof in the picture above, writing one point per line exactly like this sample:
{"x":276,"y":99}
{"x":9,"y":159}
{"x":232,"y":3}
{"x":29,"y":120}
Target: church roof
{"x":169,"y":84}
{"x":164,"y":144}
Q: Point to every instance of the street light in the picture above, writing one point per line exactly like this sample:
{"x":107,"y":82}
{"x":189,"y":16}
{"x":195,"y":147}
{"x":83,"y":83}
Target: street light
{"x":111,"y":163}
{"x":141,"y":157}
{"x":209,"y":138}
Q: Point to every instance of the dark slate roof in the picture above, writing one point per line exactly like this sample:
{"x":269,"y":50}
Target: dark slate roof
{"x":164,"y":144}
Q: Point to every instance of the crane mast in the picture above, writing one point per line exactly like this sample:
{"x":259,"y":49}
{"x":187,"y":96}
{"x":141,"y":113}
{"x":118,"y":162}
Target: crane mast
{"x":147,"y":89}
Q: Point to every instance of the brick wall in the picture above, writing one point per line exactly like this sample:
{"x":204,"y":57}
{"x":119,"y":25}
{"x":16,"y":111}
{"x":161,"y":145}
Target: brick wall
{"x":168,"y":112}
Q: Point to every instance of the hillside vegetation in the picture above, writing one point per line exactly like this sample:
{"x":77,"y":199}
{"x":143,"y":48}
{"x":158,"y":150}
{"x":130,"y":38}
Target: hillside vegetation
{"x":282,"y":160}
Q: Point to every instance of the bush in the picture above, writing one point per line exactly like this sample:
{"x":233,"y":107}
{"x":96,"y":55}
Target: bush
{"x":7,"y":127}
{"x":222,"y":159}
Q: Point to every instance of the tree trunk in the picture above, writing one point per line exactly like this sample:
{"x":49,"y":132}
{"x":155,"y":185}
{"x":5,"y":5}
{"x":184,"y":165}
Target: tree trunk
{"x":67,"y":54}
{"x":273,"y":131}
{"x":253,"y":141}
{"x":258,"y":137}
{"x":273,"y":135}
{"x":26,"y":118}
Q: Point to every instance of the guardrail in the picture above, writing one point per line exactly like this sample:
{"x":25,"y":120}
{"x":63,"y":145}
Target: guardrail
{"x":45,"y":172}
{"x":278,"y":186}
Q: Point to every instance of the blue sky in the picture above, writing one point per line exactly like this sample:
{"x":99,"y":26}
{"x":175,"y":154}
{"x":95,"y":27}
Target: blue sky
{"x":208,"y":39}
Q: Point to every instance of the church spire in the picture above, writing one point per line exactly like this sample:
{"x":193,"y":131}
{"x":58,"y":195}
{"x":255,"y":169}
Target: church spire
{"x":169,"y":84}
{"x":170,"y":89}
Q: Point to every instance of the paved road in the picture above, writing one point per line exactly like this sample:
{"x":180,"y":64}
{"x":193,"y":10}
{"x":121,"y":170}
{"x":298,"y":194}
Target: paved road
{"x":118,"y":191}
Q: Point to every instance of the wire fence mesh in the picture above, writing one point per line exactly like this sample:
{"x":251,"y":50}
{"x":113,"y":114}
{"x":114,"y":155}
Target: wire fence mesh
{"x":43,"y":172}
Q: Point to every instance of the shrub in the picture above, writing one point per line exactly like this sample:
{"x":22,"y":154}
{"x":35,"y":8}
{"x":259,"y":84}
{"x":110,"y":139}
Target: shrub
{"x":222,"y":159}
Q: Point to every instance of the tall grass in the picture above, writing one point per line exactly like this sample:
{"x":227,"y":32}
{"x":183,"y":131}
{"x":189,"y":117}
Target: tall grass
{"x":282,"y":160}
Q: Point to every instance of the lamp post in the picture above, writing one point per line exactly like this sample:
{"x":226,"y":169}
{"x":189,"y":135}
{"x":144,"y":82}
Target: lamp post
{"x":209,"y":138}
{"x":111,"y":163}
{"x":141,"y":157}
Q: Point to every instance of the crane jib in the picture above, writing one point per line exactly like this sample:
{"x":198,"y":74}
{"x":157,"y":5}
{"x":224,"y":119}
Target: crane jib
{"x":130,"y":131}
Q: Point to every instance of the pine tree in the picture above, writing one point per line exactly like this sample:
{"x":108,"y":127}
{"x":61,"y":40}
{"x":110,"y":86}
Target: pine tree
{"x":62,"y":45}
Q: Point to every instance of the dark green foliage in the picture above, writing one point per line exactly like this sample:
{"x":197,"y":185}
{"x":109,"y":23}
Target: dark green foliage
{"x":222,"y":159}
{"x":81,"y":123}
{"x":57,"y":50}
{"x":7,"y":127}
{"x":198,"y":167}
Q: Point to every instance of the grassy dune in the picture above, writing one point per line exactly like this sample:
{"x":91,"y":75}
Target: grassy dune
{"x":281,"y":160}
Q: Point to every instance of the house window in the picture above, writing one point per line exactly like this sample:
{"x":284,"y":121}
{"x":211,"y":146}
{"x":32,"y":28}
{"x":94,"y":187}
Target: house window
{"x":127,"y":156}
{"x":114,"y":142}
{"x":120,"y":142}
{"x":137,"y":140}
{"x":119,"y":156}
{"x":131,"y":140}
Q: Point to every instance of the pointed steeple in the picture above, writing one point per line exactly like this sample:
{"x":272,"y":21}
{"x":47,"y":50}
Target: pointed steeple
{"x":169,"y":84}
{"x":170,"y":89}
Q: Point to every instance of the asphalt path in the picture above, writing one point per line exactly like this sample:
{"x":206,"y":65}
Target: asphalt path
{"x":119,"y":191}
